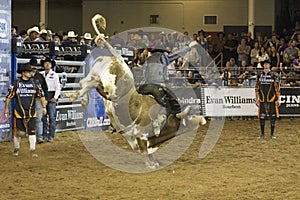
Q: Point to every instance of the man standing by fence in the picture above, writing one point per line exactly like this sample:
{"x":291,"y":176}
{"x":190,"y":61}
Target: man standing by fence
{"x":54,"y":89}
{"x":267,"y":98}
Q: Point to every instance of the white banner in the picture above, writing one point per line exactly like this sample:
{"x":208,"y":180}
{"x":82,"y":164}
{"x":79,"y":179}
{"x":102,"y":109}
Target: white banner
{"x":229,"y":102}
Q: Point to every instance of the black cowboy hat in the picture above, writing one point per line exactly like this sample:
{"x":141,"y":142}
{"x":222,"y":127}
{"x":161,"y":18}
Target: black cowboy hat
{"x":24,"y":67}
{"x":34,"y":62}
{"x":47,"y":59}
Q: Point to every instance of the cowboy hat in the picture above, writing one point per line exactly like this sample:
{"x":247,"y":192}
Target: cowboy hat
{"x":47,"y":59}
{"x":33,"y":29}
{"x":43,"y":31}
{"x":87,"y":36}
{"x":33,"y":62}
{"x":71,"y":34}
{"x":24,"y":67}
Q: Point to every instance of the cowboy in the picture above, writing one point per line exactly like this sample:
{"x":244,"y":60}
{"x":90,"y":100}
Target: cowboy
{"x":86,"y":40}
{"x":71,"y":39}
{"x":267,"y":95}
{"x":54,"y":88}
{"x":32,"y":34}
{"x":25,"y":90}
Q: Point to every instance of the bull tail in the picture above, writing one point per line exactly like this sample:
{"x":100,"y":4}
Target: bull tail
{"x":98,"y":21}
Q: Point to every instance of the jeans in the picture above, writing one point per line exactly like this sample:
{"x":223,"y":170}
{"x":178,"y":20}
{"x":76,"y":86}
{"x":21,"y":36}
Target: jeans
{"x":38,"y":120}
{"x":51,"y":118}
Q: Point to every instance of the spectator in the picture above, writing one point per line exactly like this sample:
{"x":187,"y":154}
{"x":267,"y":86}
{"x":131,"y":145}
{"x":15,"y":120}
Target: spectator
{"x":296,"y":67}
{"x":273,"y":41}
{"x":145,"y":54}
{"x":54,"y":88}
{"x":262,"y":56}
{"x":226,"y":74}
{"x":57,"y":39}
{"x":292,"y":50}
{"x":43,"y":37}
{"x":87,"y":39}
{"x":179,"y":79}
{"x":260,"y":41}
{"x":254,"y":53}
{"x":25,"y":90}
{"x":192,"y":80}
{"x":71,"y":39}
{"x":230,"y":48}
{"x":281,"y":47}
{"x":116,"y":41}
{"x":210,"y":46}
{"x":218,"y":48}
{"x":275,"y":59}
{"x":242,"y":69}
{"x":32,"y":34}
{"x":243,"y":51}
{"x":249,"y":40}
{"x":286,"y":69}
{"x":234,"y":69}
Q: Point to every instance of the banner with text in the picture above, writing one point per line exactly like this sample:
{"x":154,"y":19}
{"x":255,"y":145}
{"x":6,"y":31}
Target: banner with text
{"x":5,"y":65}
{"x":229,"y":102}
{"x":69,"y":117}
{"x":290,"y":101}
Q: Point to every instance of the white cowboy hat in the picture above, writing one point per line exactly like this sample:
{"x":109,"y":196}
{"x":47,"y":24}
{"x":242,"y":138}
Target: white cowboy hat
{"x":43,"y":31}
{"x":87,"y":36}
{"x":71,"y":34}
{"x":33,"y":29}
{"x":49,"y":32}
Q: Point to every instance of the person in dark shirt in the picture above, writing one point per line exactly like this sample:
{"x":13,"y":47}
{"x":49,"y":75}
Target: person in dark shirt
{"x":267,"y":95}
{"x":39,"y":79}
{"x":25,"y":90}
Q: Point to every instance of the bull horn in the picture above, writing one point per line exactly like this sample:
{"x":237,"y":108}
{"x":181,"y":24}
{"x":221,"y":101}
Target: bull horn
{"x":183,"y":113}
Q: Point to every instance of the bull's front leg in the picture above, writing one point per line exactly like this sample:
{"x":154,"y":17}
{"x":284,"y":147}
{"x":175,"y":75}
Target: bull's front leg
{"x":89,"y":82}
{"x":151,"y":162}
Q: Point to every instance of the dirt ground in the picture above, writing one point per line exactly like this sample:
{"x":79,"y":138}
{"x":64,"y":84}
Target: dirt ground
{"x":240,"y":166}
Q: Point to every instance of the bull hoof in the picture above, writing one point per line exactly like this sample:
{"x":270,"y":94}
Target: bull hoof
{"x":84,"y":103}
{"x":202,"y":120}
{"x":73,"y":97}
{"x":152,"y":164}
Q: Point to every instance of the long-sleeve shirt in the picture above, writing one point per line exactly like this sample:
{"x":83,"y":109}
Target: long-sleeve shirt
{"x":25,"y":92}
{"x":267,"y":87}
{"x":53,"y":84}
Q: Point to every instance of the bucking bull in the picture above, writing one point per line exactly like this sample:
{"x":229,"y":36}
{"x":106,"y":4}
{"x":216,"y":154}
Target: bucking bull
{"x":139,"y":118}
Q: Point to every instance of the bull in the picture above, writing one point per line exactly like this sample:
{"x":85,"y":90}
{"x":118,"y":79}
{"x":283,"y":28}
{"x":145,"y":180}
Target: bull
{"x":139,"y":118}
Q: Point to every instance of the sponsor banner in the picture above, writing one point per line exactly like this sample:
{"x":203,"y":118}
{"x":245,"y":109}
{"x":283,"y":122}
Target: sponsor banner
{"x":290,"y":101}
{"x":5,"y":34}
{"x":229,"y":102}
{"x":38,"y":48}
{"x":96,"y":118}
{"x":191,"y":97}
{"x":71,"y":50}
{"x":69,"y":117}
{"x":5,"y":127}
{"x":5,"y":65}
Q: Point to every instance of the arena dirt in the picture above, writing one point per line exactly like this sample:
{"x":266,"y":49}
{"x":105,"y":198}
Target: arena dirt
{"x":239,"y":167}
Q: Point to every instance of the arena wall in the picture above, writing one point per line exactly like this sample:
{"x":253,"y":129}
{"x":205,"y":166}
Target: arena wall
{"x":123,"y":15}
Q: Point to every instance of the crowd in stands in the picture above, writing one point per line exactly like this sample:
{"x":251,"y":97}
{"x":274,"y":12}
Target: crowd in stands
{"x":241,"y":56}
